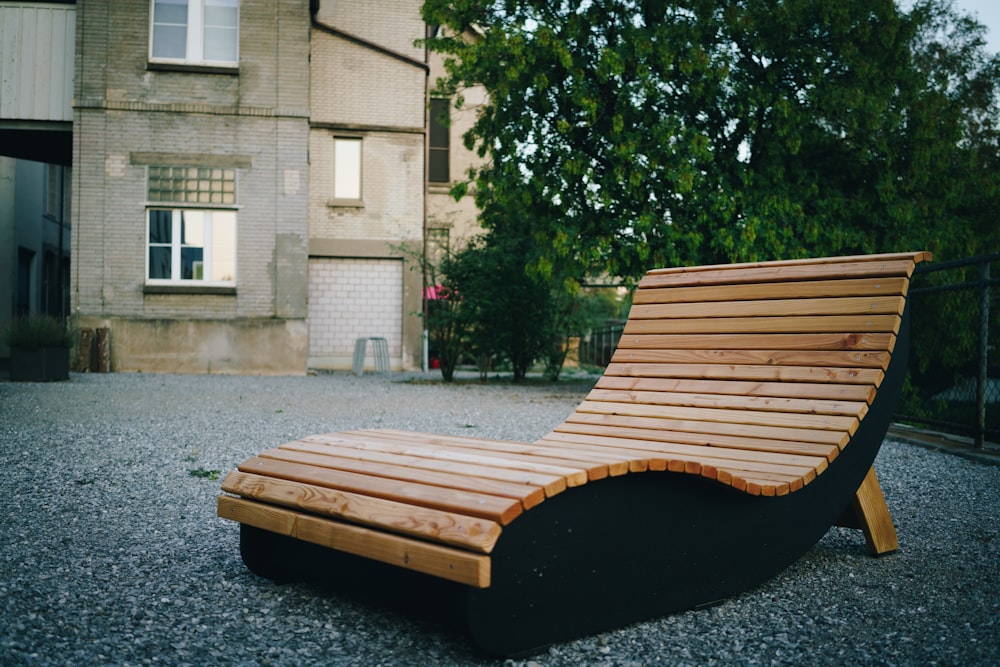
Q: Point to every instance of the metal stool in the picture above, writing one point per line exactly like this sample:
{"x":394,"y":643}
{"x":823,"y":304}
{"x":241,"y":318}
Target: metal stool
{"x":380,"y":354}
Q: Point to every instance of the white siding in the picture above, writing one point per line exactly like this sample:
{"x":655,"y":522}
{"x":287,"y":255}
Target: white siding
{"x":37,"y":48}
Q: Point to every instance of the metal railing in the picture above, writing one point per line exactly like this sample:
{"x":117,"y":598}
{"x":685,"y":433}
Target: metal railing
{"x":597,"y":346}
{"x":953,"y":384}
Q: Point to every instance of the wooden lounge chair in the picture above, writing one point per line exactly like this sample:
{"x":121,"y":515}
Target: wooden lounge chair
{"x":738,"y":420}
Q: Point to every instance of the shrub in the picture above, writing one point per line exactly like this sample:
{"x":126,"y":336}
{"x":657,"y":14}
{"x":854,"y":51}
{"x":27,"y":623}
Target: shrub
{"x":37,"y":331}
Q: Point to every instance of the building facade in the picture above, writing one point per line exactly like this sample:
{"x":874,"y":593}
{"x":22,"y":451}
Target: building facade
{"x":250,"y":181}
{"x":37,"y":42}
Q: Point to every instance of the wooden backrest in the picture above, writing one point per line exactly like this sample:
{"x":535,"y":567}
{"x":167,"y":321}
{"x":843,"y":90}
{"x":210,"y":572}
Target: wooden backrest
{"x":779,"y":357}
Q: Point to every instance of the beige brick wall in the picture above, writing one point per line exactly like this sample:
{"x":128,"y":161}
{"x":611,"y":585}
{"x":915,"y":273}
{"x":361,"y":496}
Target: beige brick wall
{"x":393,"y":24}
{"x":350,"y":299}
{"x":354,"y":85}
{"x":128,"y":115}
{"x":392,"y":188}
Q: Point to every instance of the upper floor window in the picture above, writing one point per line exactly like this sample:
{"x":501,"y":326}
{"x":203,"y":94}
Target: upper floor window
{"x":347,"y":170}
{"x":439,"y":142}
{"x":199,"y":32}
{"x":191,"y":226}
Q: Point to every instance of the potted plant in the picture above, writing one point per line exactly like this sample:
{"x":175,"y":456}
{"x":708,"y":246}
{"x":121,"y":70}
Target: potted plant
{"x":39,"y":348}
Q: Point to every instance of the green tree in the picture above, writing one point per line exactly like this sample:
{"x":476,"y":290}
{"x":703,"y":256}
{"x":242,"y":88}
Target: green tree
{"x":642,"y":133}
{"x":508,"y":312}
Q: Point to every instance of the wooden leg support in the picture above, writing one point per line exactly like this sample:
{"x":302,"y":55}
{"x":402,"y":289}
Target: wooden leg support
{"x":869,"y":513}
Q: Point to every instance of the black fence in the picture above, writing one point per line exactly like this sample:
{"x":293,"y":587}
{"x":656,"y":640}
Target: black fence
{"x":597,"y":346}
{"x":953,"y":383}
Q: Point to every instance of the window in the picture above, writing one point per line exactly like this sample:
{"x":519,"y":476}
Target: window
{"x":53,"y":191}
{"x":439,"y":142}
{"x":195,"y":32}
{"x":191,"y":242}
{"x":347,"y":169}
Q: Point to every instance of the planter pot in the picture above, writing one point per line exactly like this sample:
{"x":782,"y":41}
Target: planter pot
{"x":39,"y":364}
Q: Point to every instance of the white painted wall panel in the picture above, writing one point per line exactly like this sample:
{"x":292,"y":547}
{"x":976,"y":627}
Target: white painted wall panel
{"x":351,"y":299}
{"x":37,"y":47}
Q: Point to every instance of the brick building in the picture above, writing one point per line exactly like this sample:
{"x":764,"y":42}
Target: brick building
{"x":248,"y":176}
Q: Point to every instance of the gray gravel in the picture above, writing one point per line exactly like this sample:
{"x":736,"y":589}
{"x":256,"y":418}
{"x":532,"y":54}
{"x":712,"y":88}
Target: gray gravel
{"x":112,"y":553}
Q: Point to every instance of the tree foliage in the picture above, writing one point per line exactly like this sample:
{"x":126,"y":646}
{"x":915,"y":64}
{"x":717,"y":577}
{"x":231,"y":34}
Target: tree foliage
{"x":628,"y":134}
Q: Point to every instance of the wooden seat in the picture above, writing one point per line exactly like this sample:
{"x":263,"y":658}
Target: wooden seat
{"x":766,"y":389}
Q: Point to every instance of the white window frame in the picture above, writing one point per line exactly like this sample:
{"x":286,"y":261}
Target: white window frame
{"x":176,"y":246}
{"x":348,"y":191}
{"x":205,"y":190}
{"x":195,"y":41}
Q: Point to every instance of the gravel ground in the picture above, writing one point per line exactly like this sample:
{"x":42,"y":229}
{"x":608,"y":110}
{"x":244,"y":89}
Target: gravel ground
{"x":113,"y":554}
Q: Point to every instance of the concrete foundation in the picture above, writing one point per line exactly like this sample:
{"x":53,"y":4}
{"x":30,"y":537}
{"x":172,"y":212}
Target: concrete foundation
{"x":232,"y":346}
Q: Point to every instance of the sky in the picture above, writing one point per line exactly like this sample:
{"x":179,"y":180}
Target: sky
{"x":988,"y":13}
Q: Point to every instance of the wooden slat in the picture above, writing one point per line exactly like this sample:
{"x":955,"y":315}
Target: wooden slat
{"x":855,"y":409}
{"x":572,"y":476}
{"x":767,"y":485}
{"x":458,"y":565}
{"x":359,"y":448}
{"x":515,"y":452}
{"x":657,"y":448}
{"x":446,"y":527}
{"x":797,"y":307}
{"x":768,"y":325}
{"x":621,"y":365}
{"x":845,"y":359}
{"x":866,"y":267}
{"x":752,"y":291}
{"x":742,"y":341}
{"x":834,"y":392}
{"x":676,"y":458}
{"x":723,"y":415}
{"x":632,"y":428}
{"x":838,"y":438}
{"x":920,"y":256}
{"x":528,"y":495}
{"x":484,"y":506}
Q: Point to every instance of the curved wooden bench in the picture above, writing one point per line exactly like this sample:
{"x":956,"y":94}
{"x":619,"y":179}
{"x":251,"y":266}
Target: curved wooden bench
{"x":766,"y":388}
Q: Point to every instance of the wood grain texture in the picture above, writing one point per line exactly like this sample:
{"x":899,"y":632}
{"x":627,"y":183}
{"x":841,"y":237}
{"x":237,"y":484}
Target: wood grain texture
{"x":437,"y":560}
{"x":404,"y":518}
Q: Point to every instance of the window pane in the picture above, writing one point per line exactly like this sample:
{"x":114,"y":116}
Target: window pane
{"x":192,"y":262}
{"x":223,"y":246}
{"x":222,"y":19}
{"x":170,"y":11}
{"x":437,"y":168}
{"x":170,"y":29}
{"x":159,"y":226}
{"x":347,"y":169}
{"x":169,"y":42}
{"x":439,"y":141}
{"x":192,"y":228}
{"x":439,"y":122}
{"x":159,"y":262}
{"x":220,"y":45}
{"x":192,"y":185}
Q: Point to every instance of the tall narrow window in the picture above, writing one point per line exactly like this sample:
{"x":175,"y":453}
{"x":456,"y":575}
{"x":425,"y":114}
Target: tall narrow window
{"x":193,"y":240}
{"x":439,"y":142}
{"x":347,"y":169}
{"x":195,"y":31}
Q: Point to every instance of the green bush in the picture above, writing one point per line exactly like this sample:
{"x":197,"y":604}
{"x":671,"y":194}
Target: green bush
{"x":37,"y":331}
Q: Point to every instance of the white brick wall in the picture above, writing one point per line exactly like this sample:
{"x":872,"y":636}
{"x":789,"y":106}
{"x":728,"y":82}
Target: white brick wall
{"x":351,"y":299}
